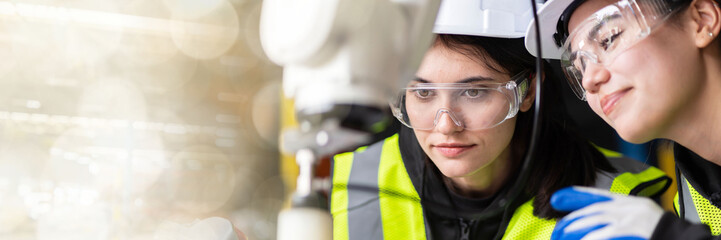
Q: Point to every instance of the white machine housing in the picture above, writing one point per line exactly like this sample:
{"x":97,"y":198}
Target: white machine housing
{"x":346,"y":51}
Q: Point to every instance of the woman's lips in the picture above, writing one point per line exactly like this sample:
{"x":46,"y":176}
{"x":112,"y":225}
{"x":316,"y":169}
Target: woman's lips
{"x":453,"y":150}
{"x":608,"y":102}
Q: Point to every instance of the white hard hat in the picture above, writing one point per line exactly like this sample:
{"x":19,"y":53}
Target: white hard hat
{"x":489,"y":18}
{"x":548,"y":16}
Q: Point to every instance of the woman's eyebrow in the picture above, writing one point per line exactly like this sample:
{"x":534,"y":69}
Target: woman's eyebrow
{"x":594,"y":31}
{"x":421,"y":80}
{"x":465,"y":80}
{"x":476,"y":79}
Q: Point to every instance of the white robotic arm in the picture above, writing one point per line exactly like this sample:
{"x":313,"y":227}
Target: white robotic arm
{"x":342,"y":61}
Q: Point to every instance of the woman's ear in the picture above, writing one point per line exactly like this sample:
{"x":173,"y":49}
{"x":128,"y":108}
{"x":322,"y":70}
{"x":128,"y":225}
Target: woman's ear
{"x":706,"y":15}
{"x":530,"y":95}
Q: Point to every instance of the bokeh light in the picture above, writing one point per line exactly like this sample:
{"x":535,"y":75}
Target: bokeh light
{"x":191,"y":8}
{"x":14,"y":213}
{"x":251,"y":30}
{"x":74,"y":222}
{"x":113,"y":98}
{"x":266,"y":111}
{"x":200,"y":179}
{"x":133,"y":119}
{"x":209,"y":228}
{"x":153,"y":46}
{"x":208,"y":35}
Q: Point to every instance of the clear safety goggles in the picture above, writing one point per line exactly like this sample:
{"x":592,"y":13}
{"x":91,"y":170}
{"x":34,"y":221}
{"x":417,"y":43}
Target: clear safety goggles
{"x":473,"y":106}
{"x":608,"y":33}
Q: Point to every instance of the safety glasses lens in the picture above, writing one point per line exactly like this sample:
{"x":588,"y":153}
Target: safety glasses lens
{"x":607,"y":33}
{"x":470,"y":106}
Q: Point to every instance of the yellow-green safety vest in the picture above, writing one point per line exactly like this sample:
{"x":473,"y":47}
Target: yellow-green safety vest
{"x":372,"y":196}
{"x":696,"y":208}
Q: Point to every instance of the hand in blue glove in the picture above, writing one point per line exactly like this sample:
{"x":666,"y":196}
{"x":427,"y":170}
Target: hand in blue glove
{"x":599,"y":214}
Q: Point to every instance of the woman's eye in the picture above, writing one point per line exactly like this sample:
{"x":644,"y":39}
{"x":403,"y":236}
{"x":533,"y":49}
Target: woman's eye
{"x":607,"y":43}
{"x":473,"y":93}
{"x":423,"y":93}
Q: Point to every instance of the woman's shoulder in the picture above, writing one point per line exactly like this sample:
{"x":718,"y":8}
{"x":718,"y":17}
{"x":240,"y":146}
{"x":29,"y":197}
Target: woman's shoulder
{"x":632,"y":177}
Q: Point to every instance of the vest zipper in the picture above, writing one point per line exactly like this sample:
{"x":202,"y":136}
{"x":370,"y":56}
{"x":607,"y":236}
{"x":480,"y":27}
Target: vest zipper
{"x":465,"y":229}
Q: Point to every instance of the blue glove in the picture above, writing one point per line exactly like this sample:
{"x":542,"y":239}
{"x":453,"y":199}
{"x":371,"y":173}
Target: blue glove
{"x":599,"y":214}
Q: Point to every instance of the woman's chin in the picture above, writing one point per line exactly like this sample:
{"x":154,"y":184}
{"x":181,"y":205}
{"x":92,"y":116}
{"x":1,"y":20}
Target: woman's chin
{"x":635,"y":135}
{"x":636,"y":140}
{"x":454,"y":168}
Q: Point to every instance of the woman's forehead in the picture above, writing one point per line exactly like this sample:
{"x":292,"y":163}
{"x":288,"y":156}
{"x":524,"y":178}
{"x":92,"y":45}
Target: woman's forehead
{"x":442,"y":64}
{"x":586,"y":10}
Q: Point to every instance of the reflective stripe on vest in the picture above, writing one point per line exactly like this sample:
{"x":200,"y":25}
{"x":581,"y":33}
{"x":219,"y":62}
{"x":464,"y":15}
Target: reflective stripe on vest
{"x":372,"y":193}
{"x":697,"y":209}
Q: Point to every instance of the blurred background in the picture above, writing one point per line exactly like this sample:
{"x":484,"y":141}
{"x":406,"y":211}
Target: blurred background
{"x":130,"y":119}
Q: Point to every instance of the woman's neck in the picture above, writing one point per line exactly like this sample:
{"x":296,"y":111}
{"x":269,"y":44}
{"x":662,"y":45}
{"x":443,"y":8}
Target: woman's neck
{"x":699,"y":127}
{"x":702,"y":133}
{"x":485,"y":181}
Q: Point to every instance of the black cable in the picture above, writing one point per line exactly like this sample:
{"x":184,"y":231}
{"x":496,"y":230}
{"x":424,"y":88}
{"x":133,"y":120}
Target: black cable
{"x":537,"y":114}
{"x":519,"y":185}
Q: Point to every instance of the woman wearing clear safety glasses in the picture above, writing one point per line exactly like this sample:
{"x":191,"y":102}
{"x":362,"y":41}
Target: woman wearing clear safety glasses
{"x":651,"y":69}
{"x":451,"y":172}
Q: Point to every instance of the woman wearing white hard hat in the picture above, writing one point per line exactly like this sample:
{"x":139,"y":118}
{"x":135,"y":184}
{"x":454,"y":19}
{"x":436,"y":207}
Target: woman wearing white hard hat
{"x":651,"y":69}
{"x":456,"y":168}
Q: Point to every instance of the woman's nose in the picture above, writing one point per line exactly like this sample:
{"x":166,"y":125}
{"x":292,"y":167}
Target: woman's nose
{"x":447,"y":123}
{"x":594,"y":76}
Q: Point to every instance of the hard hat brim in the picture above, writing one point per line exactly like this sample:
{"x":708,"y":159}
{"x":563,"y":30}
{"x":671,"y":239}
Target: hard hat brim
{"x":464,"y":30}
{"x":548,"y":17}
